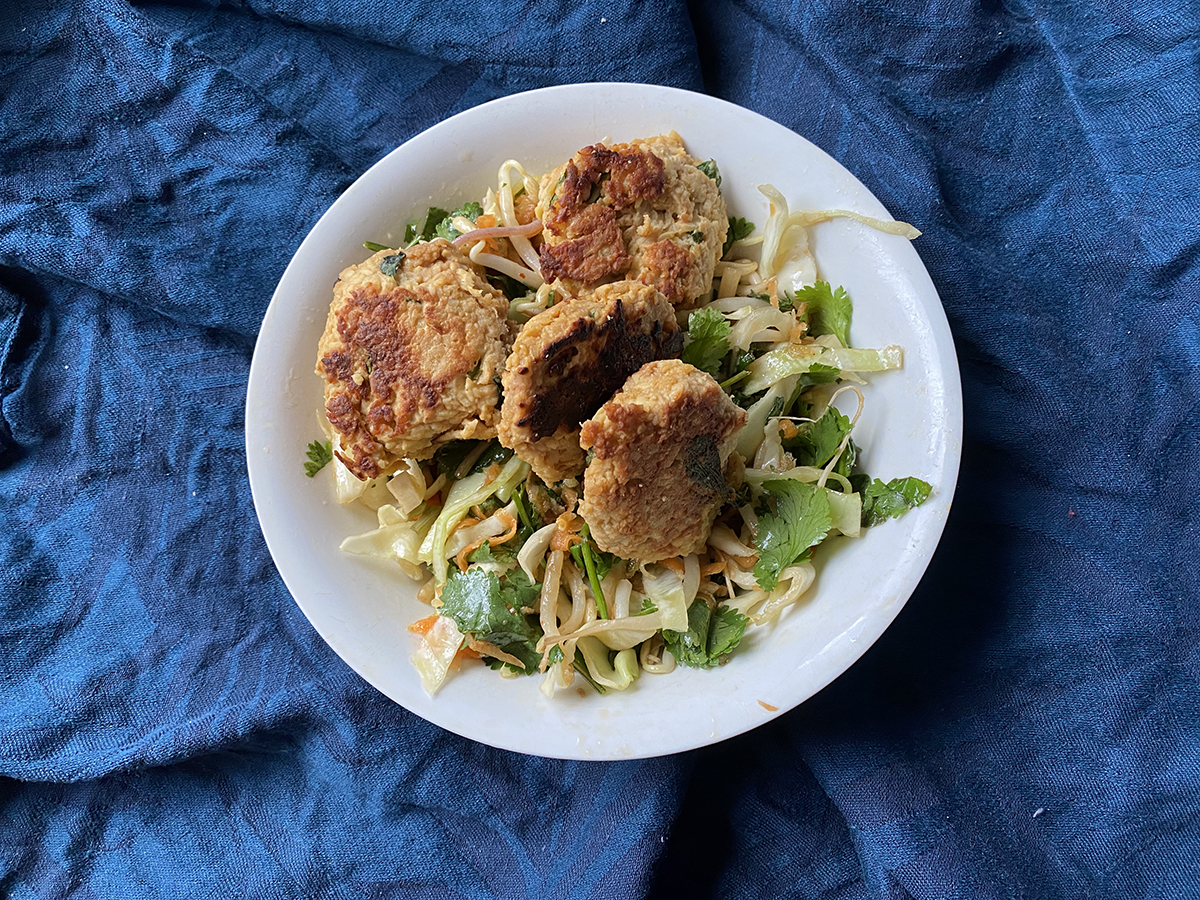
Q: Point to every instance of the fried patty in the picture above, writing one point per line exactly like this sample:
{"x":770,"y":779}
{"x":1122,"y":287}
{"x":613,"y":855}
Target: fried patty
{"x":411,"y":360}
{"x":656,"y":481}
{"x":641,"y":210}
{"x":569,"y":359}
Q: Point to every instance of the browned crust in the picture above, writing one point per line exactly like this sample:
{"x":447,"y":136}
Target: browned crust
{"x":666,"y":267}
{"x":588,"y":246}
{"x":396,"y":350}
{"x":571,"y":358}
{"x":593,"y":250}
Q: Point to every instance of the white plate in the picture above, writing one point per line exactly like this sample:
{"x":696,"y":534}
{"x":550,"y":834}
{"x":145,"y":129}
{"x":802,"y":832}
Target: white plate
{"x":912,"y":426}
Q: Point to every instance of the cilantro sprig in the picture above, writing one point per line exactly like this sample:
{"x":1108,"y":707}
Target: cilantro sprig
{"x":801,"y":520}
{"x":319,"y":456}
{"x":828,"y":310}
{"x":708,"y":340}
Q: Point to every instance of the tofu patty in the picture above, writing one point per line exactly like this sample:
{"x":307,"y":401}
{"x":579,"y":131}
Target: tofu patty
{"x":656,"y":481}
{"x":640,"y":210}
{"x":412,"y":360}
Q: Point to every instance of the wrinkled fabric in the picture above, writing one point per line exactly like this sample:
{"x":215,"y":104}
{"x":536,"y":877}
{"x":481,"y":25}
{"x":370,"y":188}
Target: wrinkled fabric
{"x":171,"y":726}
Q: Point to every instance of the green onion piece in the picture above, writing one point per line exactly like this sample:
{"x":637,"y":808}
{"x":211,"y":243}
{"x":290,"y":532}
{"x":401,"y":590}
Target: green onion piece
{"x":589,"y":563}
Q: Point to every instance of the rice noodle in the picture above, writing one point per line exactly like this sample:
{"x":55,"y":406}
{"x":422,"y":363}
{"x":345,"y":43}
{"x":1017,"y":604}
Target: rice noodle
{"x":548,"y":602}
{"x":691,"y":578}
{"x":508,"y":212}
{"x":654,"y":656}
{"x":506,"y":266}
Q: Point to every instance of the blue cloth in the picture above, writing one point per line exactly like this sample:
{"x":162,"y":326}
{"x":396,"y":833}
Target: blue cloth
{"x":170,"y":725}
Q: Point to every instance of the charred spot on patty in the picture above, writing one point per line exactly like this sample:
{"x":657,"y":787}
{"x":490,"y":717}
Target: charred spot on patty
{"x":622,"y":176}
{"x":622,"y":352}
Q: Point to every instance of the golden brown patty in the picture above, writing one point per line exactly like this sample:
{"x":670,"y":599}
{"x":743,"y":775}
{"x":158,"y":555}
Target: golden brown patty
{"x":410,"y":360}
{"x":640,"y":210}
{"x":569,"y":359}
{"x":656,"y":482}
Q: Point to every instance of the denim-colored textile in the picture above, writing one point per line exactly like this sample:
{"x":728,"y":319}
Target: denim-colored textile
{"x":170,"y":724}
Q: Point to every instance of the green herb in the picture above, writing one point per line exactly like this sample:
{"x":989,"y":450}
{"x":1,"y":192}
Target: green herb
{"x":708,"y":340}
{"x":475,"y":369}
{"x":801,"y":520}
{"x":389,"y":264}
{"x":521,"y":498}
{"x":434,"y":216}
{"x":451,"y":456}
{"x":881,"y":502}
{"x":495,"y":453}
{"x":445,"y":228}
{"x":510,"y":287}
{"x":787,"y":302}
{"x":555,"y":655}
{"x":730,"y":382}
{"x":710,"y":637}
{"x":374,"y":247}
{"x":828,"y":310}
{"x":702,"y":460}
{"x":698,"y":237}
{"x":319,"y":455}
{"x":709,"y":168}
{"x":739,"y":229}
{"x":819,"y":373}
{"x":815,"y":442}
{"x":581,"y":667}
{"x":490,"y":608}
{"x":589,"y":563}
{"x":410,"y":233}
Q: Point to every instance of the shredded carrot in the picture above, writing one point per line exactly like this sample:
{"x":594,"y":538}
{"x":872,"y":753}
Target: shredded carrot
{"x":787,"y":430}
{"x":493,"y":473}
{"x":712,"y":568}
{"x":422,"y":626}
{"x":768,"y":707}
{"x":465,"y":523}
{"x":567,"y":532}
{"x":675,"y":564}
{"x":511,"y":524}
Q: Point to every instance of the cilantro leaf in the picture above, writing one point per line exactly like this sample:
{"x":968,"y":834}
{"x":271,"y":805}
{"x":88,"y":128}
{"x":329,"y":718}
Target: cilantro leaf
{"x":319,"y":455}
{"x":428,"y":228}
{"x":709,"y":168}
{"x":881,"y":502}
{"x":410,"y":233}
{"x":708,"y":340}
{"x":801,"y":520}
{"x":489,"y":608}
{"x":710,"y":637}
{"x":816,"y":442}
{"x":447,"y":230}
{"x":828,"y":310}
{"x":389,"y":264}
{"x":739,"y":229}
{"x":702,"y":460}
{"x":374,"y":247}
{"x":728,"y":626}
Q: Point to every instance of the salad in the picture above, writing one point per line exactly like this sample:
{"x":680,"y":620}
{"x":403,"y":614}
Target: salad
{"x":532,"y":505}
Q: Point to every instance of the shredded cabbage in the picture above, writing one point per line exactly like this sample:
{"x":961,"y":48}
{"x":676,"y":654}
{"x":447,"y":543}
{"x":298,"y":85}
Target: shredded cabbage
{"x":435,"y":653}
{"x":665,"y":590}
{"x":796,"y":359}
{"x":464,"y":494}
